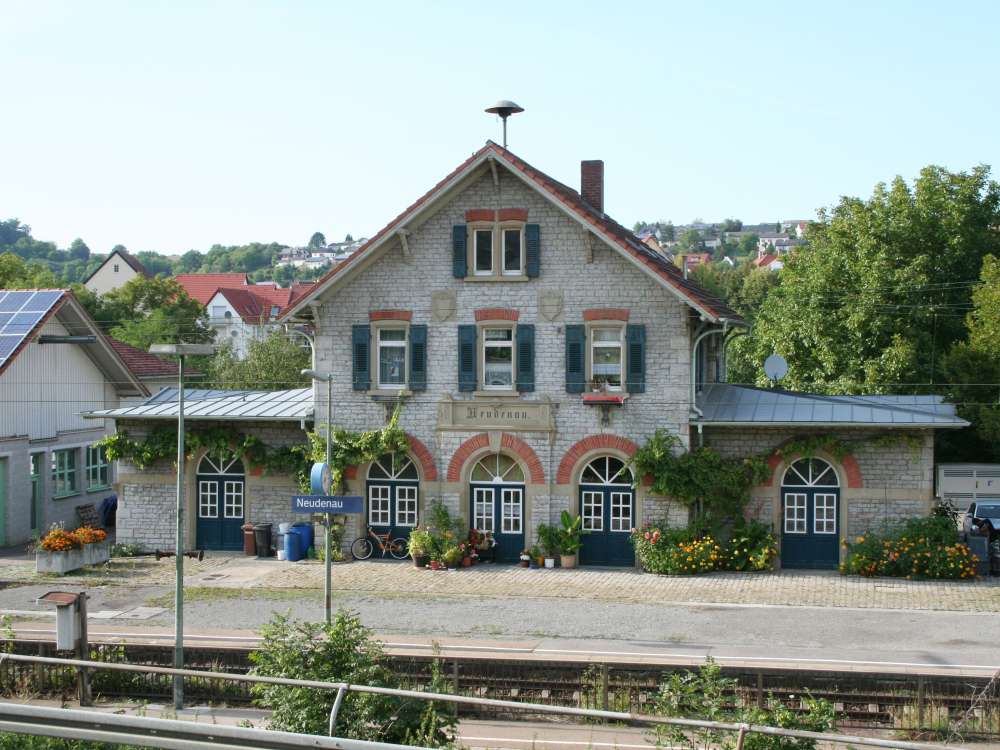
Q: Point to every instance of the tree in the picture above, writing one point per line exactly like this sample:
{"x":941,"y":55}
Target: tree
{"x":690,"y":242}
{"x":78,"y":250}
{"x":747,"y":246}
{"x":273,"y":364}
{"x":317,"y":240}
{"x":189,"y":262}
{"x":16,"y":273}
{"x":732,"y":225}
{"x":147,"y":311}
{"x":348,"y":238}
{"x":869,"y":305}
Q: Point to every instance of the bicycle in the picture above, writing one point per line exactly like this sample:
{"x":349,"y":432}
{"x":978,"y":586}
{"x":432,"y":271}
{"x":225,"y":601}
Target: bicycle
{"x":362,"y":548}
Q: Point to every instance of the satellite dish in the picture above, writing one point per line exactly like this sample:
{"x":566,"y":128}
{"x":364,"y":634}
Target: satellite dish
{"x":775,"y":367}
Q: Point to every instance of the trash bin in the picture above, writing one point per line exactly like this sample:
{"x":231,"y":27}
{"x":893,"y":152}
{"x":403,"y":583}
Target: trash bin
{"x":249,"y":543}
{"x":293,"y":544}
{"x":262,"y":539}
{"x":305,"y":529}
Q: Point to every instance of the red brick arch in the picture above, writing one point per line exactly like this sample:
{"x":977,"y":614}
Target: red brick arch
{"x":508,"y":442}
{"x":591,"y":443}
{"x":848,"y":463}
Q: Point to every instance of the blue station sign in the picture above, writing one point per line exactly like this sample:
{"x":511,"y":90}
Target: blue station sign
{"x":327,"y":504}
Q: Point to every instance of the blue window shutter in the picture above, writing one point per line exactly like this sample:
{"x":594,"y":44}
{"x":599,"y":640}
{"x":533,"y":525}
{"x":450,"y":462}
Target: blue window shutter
{"x":532,"y":250}
{"x":635,"y":342}
{"x":524,"y":336}
{"x":467,"y":358}
{"x":361,"y":355}
{"x":576,"y":342}
{"x":418,"y":357}
{"x":459,"y":257}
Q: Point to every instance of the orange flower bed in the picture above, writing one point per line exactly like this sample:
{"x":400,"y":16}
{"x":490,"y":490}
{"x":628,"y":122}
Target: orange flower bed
{"x":60,"y":540}
{"x":88,"y":535}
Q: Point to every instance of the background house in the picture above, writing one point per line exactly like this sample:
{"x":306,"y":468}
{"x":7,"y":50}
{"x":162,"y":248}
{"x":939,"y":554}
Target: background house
{"x":119,"y":268}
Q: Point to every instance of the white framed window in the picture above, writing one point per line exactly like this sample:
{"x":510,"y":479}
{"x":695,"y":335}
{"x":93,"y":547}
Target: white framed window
{"x":378,"y":505}
{"x":208,"y":499}
{"x":482,"y":252}
{"x":592,"y":510}
{"x":606,"y":357}
{"x":498,"y":359}
{"x":64,"y":473}
{"x":218,"y":312}
{"x":233,"y":500}
{"x":824,"y":513}
{"x":511,"y":510}
{"x":795,"y":513}
{"x":391,"y":347}
{"x":482,"y":509}
{"x":513,"y":251}
{"x":98,"y":468}
{"x":406,"y":506}
{"x":621,"y":511}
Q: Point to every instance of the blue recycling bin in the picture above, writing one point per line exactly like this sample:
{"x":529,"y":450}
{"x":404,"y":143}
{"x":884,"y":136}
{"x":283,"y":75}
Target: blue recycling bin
{"x":306,"y":531}
{"x":293,"y":546}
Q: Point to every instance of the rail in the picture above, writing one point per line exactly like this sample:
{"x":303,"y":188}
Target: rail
{"x":742,"y":729}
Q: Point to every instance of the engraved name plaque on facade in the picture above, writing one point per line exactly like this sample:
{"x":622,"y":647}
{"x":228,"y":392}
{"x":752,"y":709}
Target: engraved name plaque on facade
{"x":510,"y":415}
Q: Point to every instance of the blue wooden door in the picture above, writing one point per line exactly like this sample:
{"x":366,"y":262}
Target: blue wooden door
{"x":608,"y":515}
{"x":221,"y":502}
{"x":499,"y":508}
{"x":810,"y":513}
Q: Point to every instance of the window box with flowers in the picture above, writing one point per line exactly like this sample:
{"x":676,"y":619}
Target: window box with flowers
{"x":62,"y":551}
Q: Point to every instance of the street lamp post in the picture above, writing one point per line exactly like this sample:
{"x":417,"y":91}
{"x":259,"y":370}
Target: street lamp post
{"x":326,"y":377}
{"x":180,"y":351}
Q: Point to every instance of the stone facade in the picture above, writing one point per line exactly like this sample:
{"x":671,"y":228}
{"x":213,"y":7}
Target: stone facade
{"x":885,"y":476}
{"x":147,"y":498}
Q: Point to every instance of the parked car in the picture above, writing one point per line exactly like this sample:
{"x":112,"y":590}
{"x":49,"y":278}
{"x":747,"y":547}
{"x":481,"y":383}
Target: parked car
{"x":983,"y":519}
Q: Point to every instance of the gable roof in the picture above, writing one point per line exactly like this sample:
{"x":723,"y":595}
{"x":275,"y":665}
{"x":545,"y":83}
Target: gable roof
{"x":613,"y":233}
{"x":143,"y":364}
{"x":26,"y":311}
{"x":126,"y":256}
{"x":247,"y":305}
{"x":202,"y":286}
{"x":741,"y":405}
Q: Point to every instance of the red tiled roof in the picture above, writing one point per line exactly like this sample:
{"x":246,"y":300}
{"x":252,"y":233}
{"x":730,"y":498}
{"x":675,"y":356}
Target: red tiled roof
{"x":202,"y":286}
{"x":248,"y":305}
{"x":570,"y":198}
{"x":765,"y":260}
{"x":143,"y":364}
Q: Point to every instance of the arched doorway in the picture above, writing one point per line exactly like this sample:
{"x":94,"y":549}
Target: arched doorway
{"x":810,"y":521}
{"x":393,"y":491}
{"x":221,"y":503}
{"x":496,"y":491}
{"x":607,"y":510}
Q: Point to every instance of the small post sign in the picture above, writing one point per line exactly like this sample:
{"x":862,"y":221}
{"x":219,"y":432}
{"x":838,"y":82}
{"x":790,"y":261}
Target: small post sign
{"x":327,"y":504}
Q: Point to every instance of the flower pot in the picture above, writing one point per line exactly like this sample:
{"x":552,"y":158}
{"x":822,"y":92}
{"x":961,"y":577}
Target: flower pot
{"x":466,"y":562}
{"x":58,"y":562}
{"x":550,"y":562}
{"x":420,"y":561}
{"x":524,"y":563}
{"x":540,"y":562}
{"x":567,"y":561}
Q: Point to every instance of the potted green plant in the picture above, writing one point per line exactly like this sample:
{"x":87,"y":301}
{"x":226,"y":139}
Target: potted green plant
{"x":537,"y":558}
{"x":419,"y":546}
{"x":570,"y":538}
{"x":452,"y":557}
{"x":548,"y":537}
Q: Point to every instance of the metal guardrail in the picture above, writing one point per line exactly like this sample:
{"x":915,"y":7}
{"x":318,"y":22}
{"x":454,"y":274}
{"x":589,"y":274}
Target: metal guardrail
{"x":741,"y":729}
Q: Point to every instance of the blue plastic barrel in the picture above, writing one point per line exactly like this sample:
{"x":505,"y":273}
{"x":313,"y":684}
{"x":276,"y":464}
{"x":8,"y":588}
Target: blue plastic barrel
{"x":306,"y":530}
{"x":293,"y":546}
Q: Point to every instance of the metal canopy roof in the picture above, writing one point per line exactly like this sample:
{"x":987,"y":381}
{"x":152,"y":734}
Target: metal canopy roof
{"x":725,"y":404}
{"x":224,"y":406}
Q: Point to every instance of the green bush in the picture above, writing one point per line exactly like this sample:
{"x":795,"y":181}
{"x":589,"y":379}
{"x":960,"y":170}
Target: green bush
{"x":751,"y":546}
{"x":919,"y":548}
{"x":708,"y":695}
{"x":343,"y":651}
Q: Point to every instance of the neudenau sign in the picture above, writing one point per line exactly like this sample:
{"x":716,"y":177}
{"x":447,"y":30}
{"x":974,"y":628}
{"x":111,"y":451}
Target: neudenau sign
{"x":327,"y":504}
{"x":496,"y":415}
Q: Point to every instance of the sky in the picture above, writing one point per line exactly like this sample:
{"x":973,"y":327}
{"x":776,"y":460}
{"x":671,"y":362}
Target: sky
{"x":177,"y":125}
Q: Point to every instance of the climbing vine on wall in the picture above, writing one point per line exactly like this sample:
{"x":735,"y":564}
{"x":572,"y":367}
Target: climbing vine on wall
{"x":717,"y":488}
{"x":347,"y":448}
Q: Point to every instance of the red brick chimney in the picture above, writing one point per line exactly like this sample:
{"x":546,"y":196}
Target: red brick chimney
{"x":592,"y":183}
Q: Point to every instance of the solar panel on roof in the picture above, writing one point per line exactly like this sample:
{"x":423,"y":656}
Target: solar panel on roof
{"x":20,"y":312}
